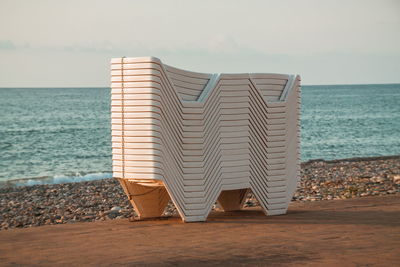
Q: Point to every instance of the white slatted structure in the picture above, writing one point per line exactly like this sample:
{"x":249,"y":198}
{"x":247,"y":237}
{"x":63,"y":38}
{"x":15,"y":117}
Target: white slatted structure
{"x":199,"y":138}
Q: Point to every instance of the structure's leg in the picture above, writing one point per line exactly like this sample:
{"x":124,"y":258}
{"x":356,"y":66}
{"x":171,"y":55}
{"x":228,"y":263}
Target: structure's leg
{"x":231,"y":200}
{"x":188,"y":210}
{"x":273,"y":203}
{"x":148,"y":201}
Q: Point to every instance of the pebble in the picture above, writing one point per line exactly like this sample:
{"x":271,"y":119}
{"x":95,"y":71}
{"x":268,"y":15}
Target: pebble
{"x":116,"y":209}
{"x":105,"y":200}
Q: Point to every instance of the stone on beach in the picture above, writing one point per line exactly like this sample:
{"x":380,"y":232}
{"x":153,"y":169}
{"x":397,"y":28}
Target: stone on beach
{"x":105,"y":200}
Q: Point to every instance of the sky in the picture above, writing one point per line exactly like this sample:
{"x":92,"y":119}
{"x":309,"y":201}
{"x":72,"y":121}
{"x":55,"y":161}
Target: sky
{"x":70,"y":43}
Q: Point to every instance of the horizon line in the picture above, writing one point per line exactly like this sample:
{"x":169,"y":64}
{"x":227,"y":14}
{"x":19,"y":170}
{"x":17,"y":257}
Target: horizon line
{"x":66,"y":87}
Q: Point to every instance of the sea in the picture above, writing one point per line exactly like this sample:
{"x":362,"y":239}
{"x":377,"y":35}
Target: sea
{"x":58,"y":135}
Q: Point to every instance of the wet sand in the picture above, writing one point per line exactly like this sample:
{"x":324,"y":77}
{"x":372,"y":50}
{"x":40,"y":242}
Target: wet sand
{"x":352,"y":232}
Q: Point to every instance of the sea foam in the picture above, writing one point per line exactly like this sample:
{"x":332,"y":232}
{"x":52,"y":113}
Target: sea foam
{"x":58,"y":179}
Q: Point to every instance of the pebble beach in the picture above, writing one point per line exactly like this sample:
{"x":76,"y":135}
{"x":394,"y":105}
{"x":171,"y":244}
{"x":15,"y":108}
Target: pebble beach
{"x":101,"y":200}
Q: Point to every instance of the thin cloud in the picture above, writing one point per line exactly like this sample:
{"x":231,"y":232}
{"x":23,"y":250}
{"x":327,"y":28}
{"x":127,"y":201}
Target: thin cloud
{"x":7,"y":45}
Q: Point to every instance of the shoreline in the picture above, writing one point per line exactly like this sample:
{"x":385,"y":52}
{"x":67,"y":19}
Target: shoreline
{"x":354,"y":159}
{"x":81,"y":178}
{"x":101,"y":200}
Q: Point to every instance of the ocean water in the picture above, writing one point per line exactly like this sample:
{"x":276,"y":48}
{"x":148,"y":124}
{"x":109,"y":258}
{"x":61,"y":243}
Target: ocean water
{"x":56,"y":135}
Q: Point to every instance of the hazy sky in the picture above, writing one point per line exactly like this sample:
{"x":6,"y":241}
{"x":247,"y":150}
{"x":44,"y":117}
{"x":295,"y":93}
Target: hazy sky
{"x":70,"y":43}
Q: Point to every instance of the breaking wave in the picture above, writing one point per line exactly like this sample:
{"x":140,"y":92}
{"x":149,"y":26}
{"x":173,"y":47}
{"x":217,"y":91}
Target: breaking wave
{"x":58,"y":179}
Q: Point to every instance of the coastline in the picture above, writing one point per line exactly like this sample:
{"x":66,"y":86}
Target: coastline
{"x":101,"y":200}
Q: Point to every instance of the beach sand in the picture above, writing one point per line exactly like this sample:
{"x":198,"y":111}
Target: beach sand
{"x":351,"y":232}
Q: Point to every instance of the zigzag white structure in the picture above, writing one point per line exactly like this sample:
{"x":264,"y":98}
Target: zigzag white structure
{"x":198,"y":138}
